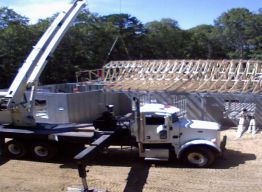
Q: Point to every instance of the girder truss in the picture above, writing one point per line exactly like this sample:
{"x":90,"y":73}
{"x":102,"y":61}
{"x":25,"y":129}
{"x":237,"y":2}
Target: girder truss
{"x":220,"y":76}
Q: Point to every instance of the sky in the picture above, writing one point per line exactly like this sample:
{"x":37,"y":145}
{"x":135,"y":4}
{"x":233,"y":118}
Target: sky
{"x":188,"y":13}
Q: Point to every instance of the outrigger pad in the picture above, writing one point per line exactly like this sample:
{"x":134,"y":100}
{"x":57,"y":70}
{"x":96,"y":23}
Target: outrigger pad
{"x":79,"y":189}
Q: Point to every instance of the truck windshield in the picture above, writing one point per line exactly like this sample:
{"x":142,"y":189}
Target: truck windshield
{"x":155,"y":120}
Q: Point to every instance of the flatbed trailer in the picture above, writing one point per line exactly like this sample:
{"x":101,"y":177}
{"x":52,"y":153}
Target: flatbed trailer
{"x":65,"y":135}
{"x":25,"y":140}
{"x":47,"y":136}
{"x":64,"y":132}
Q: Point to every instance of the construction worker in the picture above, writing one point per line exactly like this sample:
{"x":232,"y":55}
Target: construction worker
{"x":252,"y":125}
{"x":241,"y":124}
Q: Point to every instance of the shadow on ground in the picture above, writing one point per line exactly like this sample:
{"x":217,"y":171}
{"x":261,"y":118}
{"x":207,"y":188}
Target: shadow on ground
{"x":139,"y":169}
{"x":233,"y":158}
{"x":137,"y":178}
{"x":128,"y":157}
{"x":3,"y":160}
{"x":115,"y":157}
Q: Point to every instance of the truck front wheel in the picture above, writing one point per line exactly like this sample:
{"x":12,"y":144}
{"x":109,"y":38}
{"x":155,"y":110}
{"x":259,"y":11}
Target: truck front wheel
{"x":198,"y":157}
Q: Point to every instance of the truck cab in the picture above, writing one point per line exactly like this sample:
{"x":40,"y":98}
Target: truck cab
{"x":161,"y":132}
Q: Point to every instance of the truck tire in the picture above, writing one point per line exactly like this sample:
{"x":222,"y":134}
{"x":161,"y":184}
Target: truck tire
{"x":200,"y":157}
{"x":42,"y":151}
{"x":15,"y":149}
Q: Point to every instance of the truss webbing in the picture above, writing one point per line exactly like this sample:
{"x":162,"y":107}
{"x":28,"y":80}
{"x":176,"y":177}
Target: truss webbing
{"x":232,"y":76}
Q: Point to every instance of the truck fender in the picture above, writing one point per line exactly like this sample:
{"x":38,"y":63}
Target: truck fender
{"x":185,"y":146}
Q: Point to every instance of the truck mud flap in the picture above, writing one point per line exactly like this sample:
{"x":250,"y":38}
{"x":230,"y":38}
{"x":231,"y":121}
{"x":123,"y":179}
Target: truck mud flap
{"x":223,"y":144}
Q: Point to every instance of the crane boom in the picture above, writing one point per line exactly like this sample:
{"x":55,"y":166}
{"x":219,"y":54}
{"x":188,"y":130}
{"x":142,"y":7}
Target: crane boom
{"x":16,"y":108}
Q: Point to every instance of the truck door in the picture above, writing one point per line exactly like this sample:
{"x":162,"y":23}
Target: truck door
{"x":175,"y":131}
{"x":155,"y":129}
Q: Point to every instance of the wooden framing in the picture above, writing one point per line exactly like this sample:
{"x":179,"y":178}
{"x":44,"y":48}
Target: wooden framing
{"x":231,"y":76}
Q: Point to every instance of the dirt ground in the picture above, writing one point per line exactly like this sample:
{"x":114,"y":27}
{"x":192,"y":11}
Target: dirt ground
{"x":239,"y":170}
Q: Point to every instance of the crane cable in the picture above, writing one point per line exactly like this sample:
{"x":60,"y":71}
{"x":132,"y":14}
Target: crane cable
{"x":111,"y":49}
{"x":120,"y":6}
{"x":119,"y":36}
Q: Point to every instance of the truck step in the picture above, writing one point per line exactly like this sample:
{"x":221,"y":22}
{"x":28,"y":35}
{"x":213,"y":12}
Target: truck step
{"x":156,"y":154}
{"x":155,"y":159}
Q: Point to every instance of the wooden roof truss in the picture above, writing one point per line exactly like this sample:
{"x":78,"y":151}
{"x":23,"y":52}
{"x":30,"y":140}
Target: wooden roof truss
{"x":219,"y":76}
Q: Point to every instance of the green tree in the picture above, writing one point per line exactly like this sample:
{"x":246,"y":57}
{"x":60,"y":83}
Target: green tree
{"x":15,"y":43}
{"x":255,"y":40}
{"x":164,"y":40}
{"x":75,"y":51}
{"x":205,"y":43}
{"x":8,"y":16}
{"x":130,"y":32}
{"x":236,"y":34}
{"x":235,"y":27}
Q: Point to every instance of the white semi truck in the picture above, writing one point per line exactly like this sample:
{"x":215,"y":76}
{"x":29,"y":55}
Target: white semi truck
{"x":155,"y":129}
{"x":160,"y":132}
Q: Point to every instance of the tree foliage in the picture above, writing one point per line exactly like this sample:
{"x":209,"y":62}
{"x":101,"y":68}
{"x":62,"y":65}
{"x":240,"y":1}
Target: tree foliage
{"x":205,"y":43}
{"x":164,"y":39}
{"x":15,"y":43}
{"x":236,"y":34}
{"x":237,"y":29}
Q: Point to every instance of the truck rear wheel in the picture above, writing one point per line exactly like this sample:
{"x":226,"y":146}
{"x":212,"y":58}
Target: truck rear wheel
{"x":44,"y":151}
{"x":199,"y":157}
{"x":15,"y":149}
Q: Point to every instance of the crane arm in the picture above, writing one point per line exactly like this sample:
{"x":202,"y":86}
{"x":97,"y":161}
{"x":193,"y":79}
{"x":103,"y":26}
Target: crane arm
{"x":21,"y":110}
